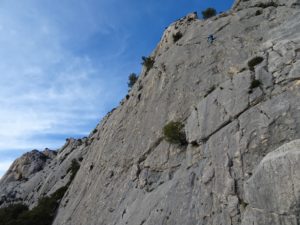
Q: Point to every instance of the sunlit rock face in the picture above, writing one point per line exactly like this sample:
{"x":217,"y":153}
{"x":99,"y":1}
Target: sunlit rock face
{"x":239,"y":101}
{"x":26,"y":165}
{"x":273,"y":191}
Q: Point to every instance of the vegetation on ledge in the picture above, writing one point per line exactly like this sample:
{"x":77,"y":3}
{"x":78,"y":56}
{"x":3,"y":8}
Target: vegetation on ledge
{"x":44,"y":213}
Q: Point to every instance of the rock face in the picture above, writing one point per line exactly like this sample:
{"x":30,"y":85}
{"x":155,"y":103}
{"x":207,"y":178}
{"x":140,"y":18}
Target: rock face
{"x":28,"y":164}
{"x":239,"y":99}
{"x":242,"y":4}
{"x":273,"y":192}
{"x":36,"y":174}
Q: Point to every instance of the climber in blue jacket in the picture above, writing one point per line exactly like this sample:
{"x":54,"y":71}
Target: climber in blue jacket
{"x":211,"y":38}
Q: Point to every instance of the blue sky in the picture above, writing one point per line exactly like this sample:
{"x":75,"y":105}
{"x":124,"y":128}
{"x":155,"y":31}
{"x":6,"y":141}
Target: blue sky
{"x":64,"y":64}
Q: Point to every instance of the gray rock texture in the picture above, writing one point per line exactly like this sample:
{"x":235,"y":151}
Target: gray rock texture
{"x":273,"y":192}
{"x":240,"y":165}
{"x":36,"y":174}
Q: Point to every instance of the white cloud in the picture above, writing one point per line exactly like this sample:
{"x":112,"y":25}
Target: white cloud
{"x":4,"y":165}
{"x":46,"y":88}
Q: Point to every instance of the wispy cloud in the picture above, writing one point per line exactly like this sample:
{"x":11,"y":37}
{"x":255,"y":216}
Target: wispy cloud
{"x":47,"y":86}
{"x":4,"y":165}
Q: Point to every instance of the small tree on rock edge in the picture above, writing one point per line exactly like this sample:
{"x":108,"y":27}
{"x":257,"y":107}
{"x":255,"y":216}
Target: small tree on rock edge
{"x":209,"y":12}
{"x":132,"y":79}
{"x":148,"y":62}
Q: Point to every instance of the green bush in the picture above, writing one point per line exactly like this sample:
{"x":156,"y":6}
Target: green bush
{"x":132,"y":79}
{"x":95,"y":131}
{"x":44,"y":213}
{"x":173,"y":133}
{"x":73,"y":169}
{"x":209,"y":12}
{"x":10,"y":214}
{"x":254,"y":62}
{"x":148,"y":62}
{"x":177,"y":36}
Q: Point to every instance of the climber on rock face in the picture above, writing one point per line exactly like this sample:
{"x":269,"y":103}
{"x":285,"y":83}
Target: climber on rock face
{"x":211,"y":38}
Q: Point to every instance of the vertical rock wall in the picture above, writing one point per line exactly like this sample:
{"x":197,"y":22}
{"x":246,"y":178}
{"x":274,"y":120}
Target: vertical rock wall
{"x":239,"y":100}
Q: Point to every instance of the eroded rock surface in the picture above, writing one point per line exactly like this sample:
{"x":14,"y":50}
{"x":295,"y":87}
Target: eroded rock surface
{"x":273,"y":192}
{"x":235,"y":114}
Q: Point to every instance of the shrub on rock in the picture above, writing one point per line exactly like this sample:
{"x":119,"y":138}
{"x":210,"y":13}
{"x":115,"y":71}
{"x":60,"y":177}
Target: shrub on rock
{"x":132,"y":79}
{"x":209,"y":12}
{"x":173,"y":133}
{"x":148,"y":62}
{"x":177,"y":36}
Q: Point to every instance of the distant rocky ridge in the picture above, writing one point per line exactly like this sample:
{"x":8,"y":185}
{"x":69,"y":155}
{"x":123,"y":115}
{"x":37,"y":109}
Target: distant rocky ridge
{"x":239,"y":99}
{"x":36,"y":174}
{"x":29,"y":164}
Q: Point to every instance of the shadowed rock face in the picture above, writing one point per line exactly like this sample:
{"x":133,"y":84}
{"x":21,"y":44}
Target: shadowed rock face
{"x":237,"y":111}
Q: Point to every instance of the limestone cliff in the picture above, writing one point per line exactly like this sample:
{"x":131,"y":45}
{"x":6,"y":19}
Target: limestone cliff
{"x":239,"y":99}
